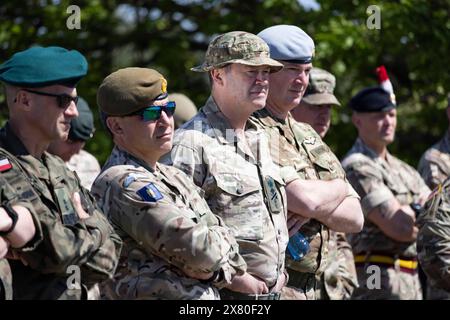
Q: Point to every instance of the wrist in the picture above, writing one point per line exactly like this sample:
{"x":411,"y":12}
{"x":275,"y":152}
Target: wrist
{"x":10,"y":214}
{"x":5,"y":221}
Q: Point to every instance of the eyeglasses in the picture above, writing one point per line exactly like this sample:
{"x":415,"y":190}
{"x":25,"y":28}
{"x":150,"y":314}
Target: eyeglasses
{"x":63,"y":99}
{"x":154,"y":112}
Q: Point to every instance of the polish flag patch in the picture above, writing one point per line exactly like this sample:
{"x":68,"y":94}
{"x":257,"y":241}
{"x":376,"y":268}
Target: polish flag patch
{"x":5,"y":165}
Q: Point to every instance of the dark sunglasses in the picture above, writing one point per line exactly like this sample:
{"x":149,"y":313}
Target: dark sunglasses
{"x":63,"y":99}
{"x":154,"y":112}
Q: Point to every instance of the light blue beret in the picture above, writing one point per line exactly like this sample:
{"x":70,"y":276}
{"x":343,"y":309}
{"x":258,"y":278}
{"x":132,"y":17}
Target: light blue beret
{"x":44,"y":66}
{"x":288,"y":43}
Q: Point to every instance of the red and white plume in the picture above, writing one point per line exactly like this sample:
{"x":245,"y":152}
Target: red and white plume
{"x":385,"y":83}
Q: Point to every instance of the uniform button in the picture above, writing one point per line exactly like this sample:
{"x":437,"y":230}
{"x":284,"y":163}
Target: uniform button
{"x":240,"y":189}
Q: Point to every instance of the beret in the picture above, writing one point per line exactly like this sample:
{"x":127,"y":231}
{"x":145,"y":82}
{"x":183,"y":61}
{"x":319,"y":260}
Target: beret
{"x":372,"y":99}
{"x":44,"y":66}
{"x":82,"y":127}
{"x":288,"y":43}
{"x":129,"y":90}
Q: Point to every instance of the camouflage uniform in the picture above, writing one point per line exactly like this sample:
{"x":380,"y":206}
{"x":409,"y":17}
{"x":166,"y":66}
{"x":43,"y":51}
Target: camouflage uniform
{"x":433,"y":242}
{"x":163,"y":235}
{"x":86,"y":166}
{"x":90,"y":244}
{"x":238,"y":183}
{"x":378,"y":181}
{"x":5,"y":280}
{"x":434,"y":165}
{"x":297,"y":145}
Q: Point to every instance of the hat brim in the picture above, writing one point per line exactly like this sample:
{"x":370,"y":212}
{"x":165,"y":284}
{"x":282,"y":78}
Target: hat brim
{"x":321,"y":98}
{"x":255,"y":62}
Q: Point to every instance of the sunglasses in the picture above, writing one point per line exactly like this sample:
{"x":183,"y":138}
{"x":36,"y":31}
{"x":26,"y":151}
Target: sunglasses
{"x":154,"y":112}
{"x":63,"y":100}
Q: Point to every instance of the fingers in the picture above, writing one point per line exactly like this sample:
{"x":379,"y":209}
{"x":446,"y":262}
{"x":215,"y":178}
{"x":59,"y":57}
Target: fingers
{"x":294,"y":229}
{"x":78,"y":207}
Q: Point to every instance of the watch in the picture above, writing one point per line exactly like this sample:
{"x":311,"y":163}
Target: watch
{"x":13,"y":215}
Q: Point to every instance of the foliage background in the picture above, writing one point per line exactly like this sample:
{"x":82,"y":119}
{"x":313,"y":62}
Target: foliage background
{"x":172,"y":36}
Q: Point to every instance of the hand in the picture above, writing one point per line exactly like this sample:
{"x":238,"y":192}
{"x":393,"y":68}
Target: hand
{"x":5,"y":220}
{"x":295,"y":222}
{"x":281,"y":283}
{"x":248,"y":284}
{"x":76,"y":201}
{"x":24,"y":230}
{"x":4,"y":245}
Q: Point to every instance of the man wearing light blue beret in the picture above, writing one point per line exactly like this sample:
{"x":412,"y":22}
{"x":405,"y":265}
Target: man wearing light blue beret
{"x":295,"y":144}
{"x":79,"y":247}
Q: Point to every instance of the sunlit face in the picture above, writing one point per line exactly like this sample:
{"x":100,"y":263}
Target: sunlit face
{"x":148,"y":137}
{"x":246,"y":86}
{"x":318,"y":116}
{"x":50,"y":121}
{"x":289,"y":85}
{"x":376,"y":128}
{"x":65,"y":149}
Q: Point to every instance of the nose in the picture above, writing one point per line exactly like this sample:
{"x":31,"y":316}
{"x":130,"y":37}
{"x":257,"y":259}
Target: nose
{"x":72,"y":110}
{"x":165,"y":118}
{"x":262,"y":76}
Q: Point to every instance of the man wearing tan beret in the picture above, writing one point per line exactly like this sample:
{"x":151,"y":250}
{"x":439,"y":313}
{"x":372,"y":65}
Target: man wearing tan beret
{"x":174,"y":246}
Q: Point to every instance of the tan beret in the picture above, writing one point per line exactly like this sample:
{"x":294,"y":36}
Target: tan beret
{"x":129,"y":90}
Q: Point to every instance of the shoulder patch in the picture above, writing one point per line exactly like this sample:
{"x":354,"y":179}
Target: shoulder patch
{"x":150,"y":193}
{"x":5,"y":165}
{"x":129,"y":180}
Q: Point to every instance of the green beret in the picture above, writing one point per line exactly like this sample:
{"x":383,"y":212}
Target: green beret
{"x":44,"y":66}
{"x":128,"y":90}
{"x":82,"y":127}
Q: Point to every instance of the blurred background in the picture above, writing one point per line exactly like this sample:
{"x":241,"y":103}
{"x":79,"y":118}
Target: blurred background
{"x":172,"y":36}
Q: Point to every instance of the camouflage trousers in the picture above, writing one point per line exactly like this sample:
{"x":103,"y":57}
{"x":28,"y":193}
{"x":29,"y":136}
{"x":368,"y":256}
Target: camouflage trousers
{"x":303,"y":286}
{"x":5,"y":280}
{"x":390,"y":283}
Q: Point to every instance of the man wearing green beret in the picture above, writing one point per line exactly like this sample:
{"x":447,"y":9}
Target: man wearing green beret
{"x":71,"y":150}
{"x":339,"y":277}
{"x":79,"y":247}
{"x":174,"y":246}
{"x":298,"y":145}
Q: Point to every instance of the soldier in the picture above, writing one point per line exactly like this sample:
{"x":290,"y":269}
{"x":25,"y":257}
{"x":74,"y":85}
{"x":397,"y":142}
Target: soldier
{"x":339,"y":277}
{"x":298,"y":145}
{"x":79,"y":247}
{"x":174,"y":246}
{"x":434,"y":165}
{"x":185,"y":111}
{"x":229,"y":158}
{"x":433,"y":242}
{"x":385,"y":251}
{"x":71,"y":150}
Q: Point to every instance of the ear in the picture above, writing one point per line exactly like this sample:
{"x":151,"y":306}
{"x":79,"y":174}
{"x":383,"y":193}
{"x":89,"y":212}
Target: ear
{"x":114,"y":125}
{"x":356,"y":120}
{"x":217,"y":76}
{"x":23,"y":101}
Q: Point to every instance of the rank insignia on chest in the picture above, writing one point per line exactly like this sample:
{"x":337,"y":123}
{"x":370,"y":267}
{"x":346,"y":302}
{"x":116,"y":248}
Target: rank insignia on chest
{"x":150,"y":193}
{"x":310,"y":140}
{"x":5,"y":165}
{"x":272,"y":195}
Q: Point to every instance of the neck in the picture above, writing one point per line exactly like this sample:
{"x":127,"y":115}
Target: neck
{"x":379,"y":149}
{"x":236,"y":116}
{"x":33,"y":142}
{"x":149,"y":158}
{"x":277,"y":111}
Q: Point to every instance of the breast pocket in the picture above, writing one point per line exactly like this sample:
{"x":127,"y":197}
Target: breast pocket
{"x":238,"y":202}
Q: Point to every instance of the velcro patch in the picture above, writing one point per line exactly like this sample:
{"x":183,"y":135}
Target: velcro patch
{"x":5,"y":165}
{"x":150,"y":193}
